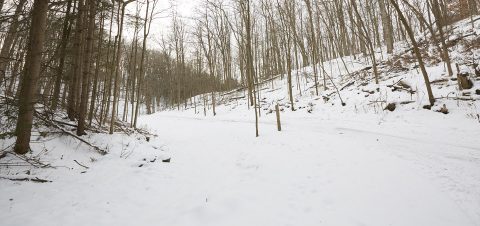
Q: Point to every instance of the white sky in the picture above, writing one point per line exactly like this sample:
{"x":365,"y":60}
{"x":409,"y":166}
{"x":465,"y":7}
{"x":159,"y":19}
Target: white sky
{"x":162,"y":21}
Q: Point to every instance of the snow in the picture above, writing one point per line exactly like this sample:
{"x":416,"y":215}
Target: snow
{"x":325,"y":171}
{"x":398,"y":169}
{"x":330,"y":165}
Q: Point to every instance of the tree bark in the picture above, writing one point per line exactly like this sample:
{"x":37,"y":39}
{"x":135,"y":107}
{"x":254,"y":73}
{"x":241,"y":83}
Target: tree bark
{"x":30,"y":77}
{"x":77,"y":66}
{"x":87,"y":68}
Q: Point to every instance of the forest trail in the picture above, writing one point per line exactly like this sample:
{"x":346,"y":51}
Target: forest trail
{"x":335,"y":174}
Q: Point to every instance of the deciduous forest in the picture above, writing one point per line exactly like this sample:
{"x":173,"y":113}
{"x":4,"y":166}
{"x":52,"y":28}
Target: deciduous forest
{"x":240,"y":112}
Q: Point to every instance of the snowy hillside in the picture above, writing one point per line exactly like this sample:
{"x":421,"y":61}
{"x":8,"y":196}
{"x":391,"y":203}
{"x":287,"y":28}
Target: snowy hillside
{"x":400,"y":82}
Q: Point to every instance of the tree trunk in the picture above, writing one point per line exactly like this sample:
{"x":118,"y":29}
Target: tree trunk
{"x":97,"y":70}
{"x":9,"y":40}
{"x":77,"y":66}
{"x":63,"y":46}
{"x":386,"y":26}
{"x":313,"y":43}
{"x":117,"y":70}
{"x":87,"y":66}
{"x":146,"y":31}
{"x":416,"y":50}
{"x":30,"y":77}
{"x":440,"y":23}
{"x":107,"y":80}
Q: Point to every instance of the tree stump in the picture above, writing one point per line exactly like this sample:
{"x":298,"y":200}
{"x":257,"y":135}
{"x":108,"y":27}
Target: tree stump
{"x":465,"y":81}
{"x":391,"y":107}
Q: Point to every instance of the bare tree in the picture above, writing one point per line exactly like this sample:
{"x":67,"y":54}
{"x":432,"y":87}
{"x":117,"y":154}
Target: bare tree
{"x":117,"y":65}
{"x":146,"y":31}
{"x":67,"y":26}
{"x":416,"y":49}
{"x":30,"y":76}
{"x":87,"y":68}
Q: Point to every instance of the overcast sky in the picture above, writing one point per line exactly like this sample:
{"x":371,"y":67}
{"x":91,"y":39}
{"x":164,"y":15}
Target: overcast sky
{"x":162,"y":22}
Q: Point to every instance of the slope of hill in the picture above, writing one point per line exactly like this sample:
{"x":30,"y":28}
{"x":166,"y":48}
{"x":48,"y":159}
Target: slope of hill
{"x":350,"y":81}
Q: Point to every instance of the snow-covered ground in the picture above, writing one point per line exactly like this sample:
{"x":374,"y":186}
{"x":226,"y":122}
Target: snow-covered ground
{"x":330,"y":165}
{"x":322,"y":169}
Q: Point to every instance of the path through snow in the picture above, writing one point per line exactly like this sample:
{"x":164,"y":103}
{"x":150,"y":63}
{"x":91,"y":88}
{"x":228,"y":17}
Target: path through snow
{"x":323,"y":170}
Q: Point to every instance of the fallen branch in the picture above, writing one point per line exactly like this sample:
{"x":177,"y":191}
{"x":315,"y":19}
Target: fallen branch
{"x":99,"y":150}
{"x":458,"y":98}
{"x":32,"y":161}
{"x":36,"y":179}
{"x":347,"y":85}
{"x":407,"y":102}
{"x":86,"y":167}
